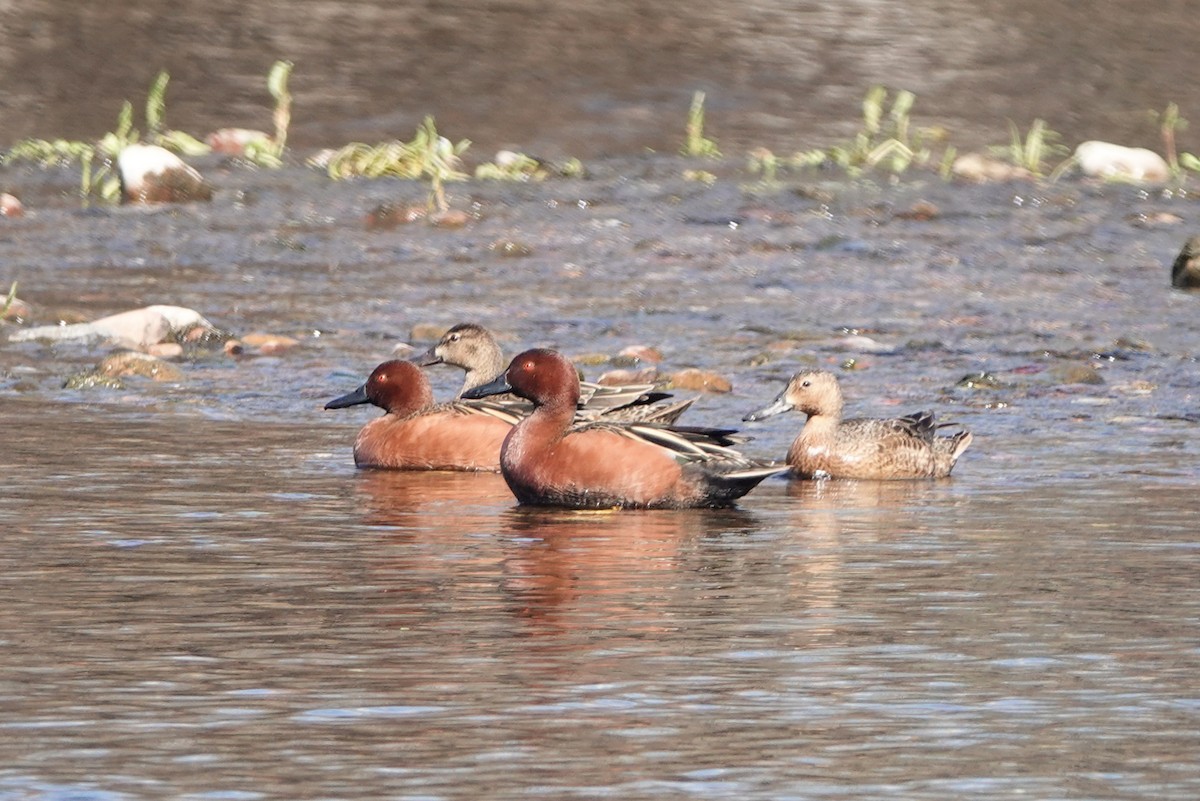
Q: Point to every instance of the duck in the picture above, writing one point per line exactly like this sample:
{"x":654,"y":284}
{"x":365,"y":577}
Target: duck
{"x":1185,"y":272}
{"x":417,"y":434}
{"x":551,"y":459}
{"x":475,"y":349}
{"x":859,"y":448}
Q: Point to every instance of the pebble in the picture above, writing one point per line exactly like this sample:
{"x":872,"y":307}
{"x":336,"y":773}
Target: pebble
{"x":269,"y":344}
{"x":233,"y":141}
{"x":984,"y":169}
{"x":10,"y":205}
{"x":617,"y":378}
{"x":700,"y":381}
{"x":427,"y":332}
{"x":637,"y":354}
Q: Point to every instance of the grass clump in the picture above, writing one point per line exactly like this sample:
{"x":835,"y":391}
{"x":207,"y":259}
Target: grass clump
{"x":887,"y":140}
{"x":695,"y":143}
{"x":1170,"y":124}
{"x":1033,"y":150}
{"x":511,"y":166}
{"x":97,"y":159}
{"x":269,"y":152}
{"x":429,"y":155}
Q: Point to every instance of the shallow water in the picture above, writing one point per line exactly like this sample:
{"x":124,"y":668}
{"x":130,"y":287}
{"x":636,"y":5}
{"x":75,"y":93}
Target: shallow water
{"x":571,"y":78}
{"x":206,"y":600}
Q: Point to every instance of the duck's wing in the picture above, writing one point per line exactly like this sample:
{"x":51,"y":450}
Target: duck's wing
{"x":503,"y":410}
{"x":685,"y":443}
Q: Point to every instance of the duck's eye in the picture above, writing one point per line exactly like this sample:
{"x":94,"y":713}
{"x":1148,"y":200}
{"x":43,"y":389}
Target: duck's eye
{"x":455,"y":337}
{"x":806,"y":383}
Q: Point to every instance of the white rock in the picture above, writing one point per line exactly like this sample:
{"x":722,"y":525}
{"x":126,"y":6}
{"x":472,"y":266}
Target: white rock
{"x":138,"y":328}
{"x":153,"y":174}
{"x":1106,"y":160}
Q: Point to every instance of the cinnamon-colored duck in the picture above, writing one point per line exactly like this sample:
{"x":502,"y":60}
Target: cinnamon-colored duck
{"x":864,"y":448}
{"x":548,"y":459}
{"x":416,"y":433}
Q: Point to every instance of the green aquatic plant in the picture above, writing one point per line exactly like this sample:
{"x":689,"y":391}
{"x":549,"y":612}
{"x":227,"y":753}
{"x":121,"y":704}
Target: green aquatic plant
{"x":765,"y":163}
{"x":695,"y":143}
{"x":268,"y":152}
{"x":510,"y":166}
{"x":97,"y":159}
{"x":10,"y":300}
{"x":1170,"y":124}
{"x":429,"y":155}
{"x":886,"y":139}
{"x":1032,"y":151}
{"x":156,"y":131}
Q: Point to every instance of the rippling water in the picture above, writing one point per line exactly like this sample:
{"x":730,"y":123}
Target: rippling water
{"x":205,"y":600}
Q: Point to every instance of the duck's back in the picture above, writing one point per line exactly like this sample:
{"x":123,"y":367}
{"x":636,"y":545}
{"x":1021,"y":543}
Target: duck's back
{"x":871,"y":448}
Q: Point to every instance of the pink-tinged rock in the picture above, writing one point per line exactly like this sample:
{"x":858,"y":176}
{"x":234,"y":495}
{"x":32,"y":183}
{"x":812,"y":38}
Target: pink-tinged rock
{"x":233,"y":141}
{"x":152,"y":174}
{"x":636,"y":354}
{"x":166,"y":350}
{"x":619,"y":378}
{"x":984,"y":169}
{"x":700,"y":381}
{"x":1120,"y":163}
{"x":269,"y":344}
{"x":10,"y":205}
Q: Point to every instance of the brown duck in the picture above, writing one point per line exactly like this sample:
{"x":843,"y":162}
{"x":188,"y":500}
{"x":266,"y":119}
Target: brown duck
{"x":864,"y":448}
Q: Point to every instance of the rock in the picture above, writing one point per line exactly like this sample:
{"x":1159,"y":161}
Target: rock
{"x":427,"y":332}
{"x":1075,"y":374}
{"x":617,"y":378}
{"x":152,"y":174}
{"x":91,"y":380}
{"x":984,"y":169}
{"x":10,"y":205}
{"x":387,"y":216}
{"x":166,"y":350}
{"x":453,"y":218}
{"x":1117,"y":162}
{"x":979,"y":381}
{"x":922,"y":210}
{"x":137,"y":329}
{"x":17,"y":310}
{"x":638,"y":354}
{"x":1185,"y":272}
{"x":269,"y":343}
{"x":700,"y":381}
{"x":233,"y":141}
{"x":591,"y":359}
{"x":131,"y":362}
{"x":510,"y":248}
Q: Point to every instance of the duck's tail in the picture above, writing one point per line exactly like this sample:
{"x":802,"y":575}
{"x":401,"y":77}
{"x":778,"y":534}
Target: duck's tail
{"x":725,"y":486}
